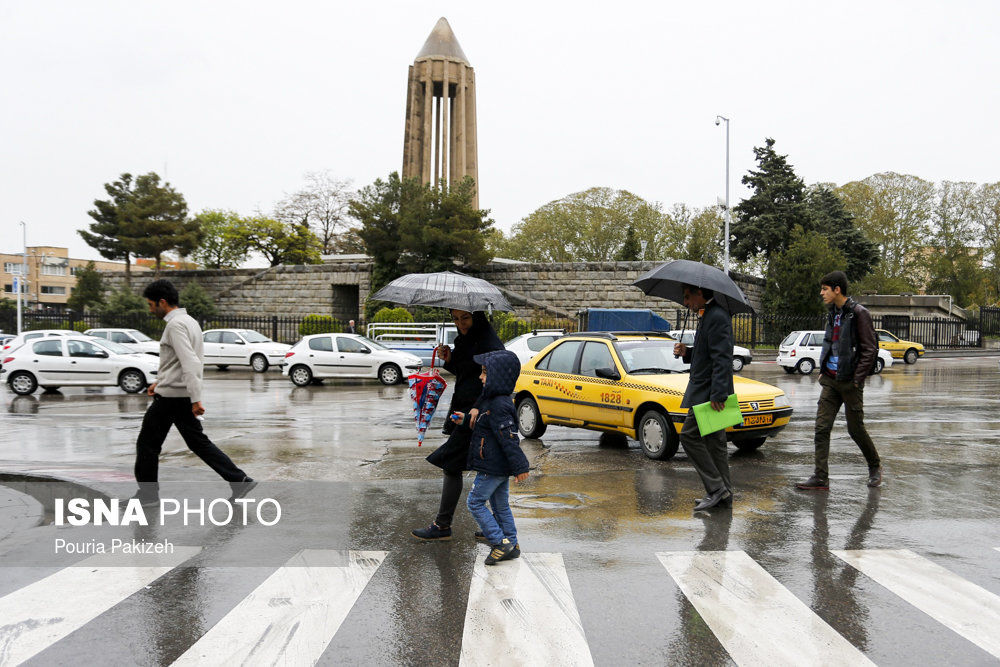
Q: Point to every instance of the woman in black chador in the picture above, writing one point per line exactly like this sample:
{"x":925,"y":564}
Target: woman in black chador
{"x":475,"y":336}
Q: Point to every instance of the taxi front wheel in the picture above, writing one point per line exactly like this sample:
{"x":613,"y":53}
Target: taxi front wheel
{"x":657,"y":436}
{"x":529,"y":419}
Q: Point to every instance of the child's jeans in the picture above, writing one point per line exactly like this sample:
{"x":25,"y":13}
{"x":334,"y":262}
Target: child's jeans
{"x":500,"y":523}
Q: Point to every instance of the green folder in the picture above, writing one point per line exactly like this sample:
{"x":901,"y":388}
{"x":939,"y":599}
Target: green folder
{"x":710,"y":421}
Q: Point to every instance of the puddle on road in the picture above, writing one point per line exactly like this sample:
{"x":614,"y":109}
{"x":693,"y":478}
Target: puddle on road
{"x":555,"y":501}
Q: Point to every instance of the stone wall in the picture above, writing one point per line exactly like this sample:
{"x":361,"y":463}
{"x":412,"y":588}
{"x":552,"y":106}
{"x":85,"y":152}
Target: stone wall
{"x":325,"y":289}
{"x":328,"y":289}
{"x":573,"y":286}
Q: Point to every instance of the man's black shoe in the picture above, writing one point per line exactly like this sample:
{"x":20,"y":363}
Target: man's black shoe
{"x":713,"y":499}
{"x":432,"y":533}
{"x":500,"y":552}
{"x":240,"y":489}
{"x":727,"y":503}
{"x":814,"y":483}
{"x":146,"y":500}
{"x":875,"y":476}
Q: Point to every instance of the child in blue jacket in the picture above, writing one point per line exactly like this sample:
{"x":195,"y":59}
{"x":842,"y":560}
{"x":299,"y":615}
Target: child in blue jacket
{"x":495,"y":454}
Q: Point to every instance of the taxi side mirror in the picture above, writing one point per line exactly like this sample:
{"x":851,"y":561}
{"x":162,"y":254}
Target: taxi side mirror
{"x":607,"y":373}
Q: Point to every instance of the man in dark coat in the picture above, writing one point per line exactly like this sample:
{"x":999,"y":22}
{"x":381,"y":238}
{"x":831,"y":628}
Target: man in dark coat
{"x":711,"y":379}
{"x":475,"y":336}
{"x":848,"y":358}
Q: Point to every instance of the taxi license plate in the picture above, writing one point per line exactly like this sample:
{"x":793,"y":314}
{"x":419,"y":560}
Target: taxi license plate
{"x":757,"y":420}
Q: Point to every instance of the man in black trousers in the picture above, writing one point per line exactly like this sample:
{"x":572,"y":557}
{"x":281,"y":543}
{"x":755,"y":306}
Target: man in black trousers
{"x":177,"y":399}
{"x":711,"y":379}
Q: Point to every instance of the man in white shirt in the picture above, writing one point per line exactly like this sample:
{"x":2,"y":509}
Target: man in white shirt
{"x":177,"y":399}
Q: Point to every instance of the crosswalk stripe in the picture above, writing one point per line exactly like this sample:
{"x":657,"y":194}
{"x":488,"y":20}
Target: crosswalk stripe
{"x":522,"y":612}
{"x":756,"y":619}
{"x":42,"y":613}
{"x":292,"y":616}
{"x":971,"y":611}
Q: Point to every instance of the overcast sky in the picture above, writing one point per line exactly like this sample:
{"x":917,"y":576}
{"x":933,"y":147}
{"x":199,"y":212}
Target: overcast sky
{"x":235,"y":101}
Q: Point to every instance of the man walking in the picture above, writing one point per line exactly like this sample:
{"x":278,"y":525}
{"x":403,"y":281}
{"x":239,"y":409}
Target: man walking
{"x":177,"y":399}
{"x":711,"y":379}
{"x":350,"y":326}
{"x":848,"y":358}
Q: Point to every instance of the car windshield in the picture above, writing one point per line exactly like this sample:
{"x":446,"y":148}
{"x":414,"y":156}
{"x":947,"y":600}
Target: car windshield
{"x":139,"y":336}
{"x":117,"y":348}
{"x":369,"y":341}
{"x":254,"y":337}
{"x":790,"y":338}
{"x":647,"y":356}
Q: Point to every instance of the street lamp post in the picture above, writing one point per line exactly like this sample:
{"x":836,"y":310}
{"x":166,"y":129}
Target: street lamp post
{"x":729,"y":217}
{"x":23,"y":277}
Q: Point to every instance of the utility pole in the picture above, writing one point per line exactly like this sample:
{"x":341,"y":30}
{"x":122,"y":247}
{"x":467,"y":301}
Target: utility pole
{"x":22,"y":278}
{"x":729,"y":218}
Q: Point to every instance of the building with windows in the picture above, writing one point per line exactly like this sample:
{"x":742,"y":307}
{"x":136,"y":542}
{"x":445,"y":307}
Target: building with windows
{"x":51,"y":275}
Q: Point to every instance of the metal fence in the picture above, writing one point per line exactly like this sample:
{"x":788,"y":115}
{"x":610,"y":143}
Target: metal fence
{"x":767,"y":330}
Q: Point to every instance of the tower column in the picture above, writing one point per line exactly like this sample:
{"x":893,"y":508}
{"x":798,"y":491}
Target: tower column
{"x":427,"y":134}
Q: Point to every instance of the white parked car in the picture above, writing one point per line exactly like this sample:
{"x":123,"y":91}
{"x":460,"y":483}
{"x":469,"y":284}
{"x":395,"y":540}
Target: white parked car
{"x":57,"y":361}
{"x":242,"y":347}
{"x":132,"y":338}
{"x":331,"y":355}
{"x":528,"y":345}
{"x":741,"y":355}
{"x":24,"y":337}
{"x":800,"y":351}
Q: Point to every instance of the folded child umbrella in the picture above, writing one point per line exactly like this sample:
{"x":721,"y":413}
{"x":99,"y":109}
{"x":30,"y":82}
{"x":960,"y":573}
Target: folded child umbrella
{"x":425,"y":392}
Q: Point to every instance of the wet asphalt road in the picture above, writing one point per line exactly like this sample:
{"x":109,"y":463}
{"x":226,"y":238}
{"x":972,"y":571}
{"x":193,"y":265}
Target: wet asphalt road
{"x":343,"y":461}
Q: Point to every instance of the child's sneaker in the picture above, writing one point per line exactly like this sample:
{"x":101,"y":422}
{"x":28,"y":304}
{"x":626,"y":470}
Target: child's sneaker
{"x":514,"y":553}
{"x":500,"y":552}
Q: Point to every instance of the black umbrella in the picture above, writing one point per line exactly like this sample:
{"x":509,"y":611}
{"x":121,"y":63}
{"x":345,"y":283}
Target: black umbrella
{"x":446,"y":289}
{"x":667,"y":281}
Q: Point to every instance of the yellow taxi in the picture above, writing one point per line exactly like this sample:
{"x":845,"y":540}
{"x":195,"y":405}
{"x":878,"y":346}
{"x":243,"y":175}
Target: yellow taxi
{"x":906,"y":350}
{"x":630,"y":383}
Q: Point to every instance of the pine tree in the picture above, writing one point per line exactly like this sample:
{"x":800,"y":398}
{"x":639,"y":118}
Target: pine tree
{"x":89,"y":289}
{"x":631,"y":250}
{"x":764,"y":222}
{"x":830,"y":217}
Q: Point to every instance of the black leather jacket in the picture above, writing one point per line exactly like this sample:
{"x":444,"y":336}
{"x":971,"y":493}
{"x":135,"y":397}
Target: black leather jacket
{"x":857,"y":348}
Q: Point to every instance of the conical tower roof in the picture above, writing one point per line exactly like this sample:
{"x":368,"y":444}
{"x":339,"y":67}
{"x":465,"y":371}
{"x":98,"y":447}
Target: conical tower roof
{"x":442,"y":43}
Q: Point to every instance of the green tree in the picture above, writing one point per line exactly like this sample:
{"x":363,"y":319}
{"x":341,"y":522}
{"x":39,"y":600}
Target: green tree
{"x":763,"y":223}
{"x":407,"y":226}
{"x":280,"y":243}
{"x":988,"y":213}
{"x":894,"y":211}
{"x":197,"y":302}
{"x":157,"y":220}
{"x":7,"y":304}
{"x":829,"y":217}
{"x":223,"y":243}
{"x":89,"y":289}
{"x":631,"y":250}
{"x":793,"y":274}
{"x":124,"y":302}
{"x":954,"y":263}
{"x":386,"y":314}
{"x":107,"y":234}
{"x":702,"y":236}
{"x":590,"y":226}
